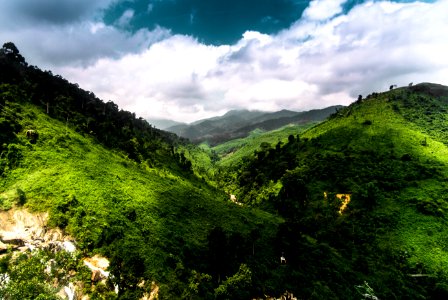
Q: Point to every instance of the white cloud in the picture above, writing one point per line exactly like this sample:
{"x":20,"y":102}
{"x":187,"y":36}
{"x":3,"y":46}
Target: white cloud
{"x":51,"y":33}
{"x":125,"y":18}
{"x":310,"y":65}
{"x":320,"y":10}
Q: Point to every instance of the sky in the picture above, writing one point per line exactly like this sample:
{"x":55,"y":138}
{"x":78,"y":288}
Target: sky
{"x":192,"y":59}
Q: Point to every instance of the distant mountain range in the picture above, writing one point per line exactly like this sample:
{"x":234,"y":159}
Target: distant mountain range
{"x":164,"y":123}
{"x":239,"y":123}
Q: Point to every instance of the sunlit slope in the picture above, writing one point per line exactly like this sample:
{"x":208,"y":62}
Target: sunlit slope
{"x":151,"y":219}
{"x":388,"y":154}
{"x":232,"y":152}
{"x":408,"y":124}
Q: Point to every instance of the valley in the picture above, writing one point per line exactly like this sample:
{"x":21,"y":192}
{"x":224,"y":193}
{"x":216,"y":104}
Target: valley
{"x":229,"y":218}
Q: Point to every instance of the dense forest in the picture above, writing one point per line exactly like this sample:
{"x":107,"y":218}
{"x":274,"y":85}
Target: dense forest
{"x":350,"y":208}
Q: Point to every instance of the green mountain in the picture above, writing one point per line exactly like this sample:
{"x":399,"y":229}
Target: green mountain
{"x":363,"y":196}
{"x":239,"y":123}
{"x":354,"y":207}
{"x":121,"y":189}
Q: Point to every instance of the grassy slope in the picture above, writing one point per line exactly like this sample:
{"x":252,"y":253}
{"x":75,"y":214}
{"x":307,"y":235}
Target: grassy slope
{"x":390,"y":152}
{"x":231,"y":153}
{"x":217,"y":163}
{"x":108,"y":201}
{"x":421,"y":236}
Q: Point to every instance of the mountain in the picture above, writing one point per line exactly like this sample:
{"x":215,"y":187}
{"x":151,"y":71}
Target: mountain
{"x":363,"y":196}
{"x":241,"y":115}
{"x":111,"y":185}
{"x":239,"y":123}
{"x":164,"y":123}
{"x":348,"y":208}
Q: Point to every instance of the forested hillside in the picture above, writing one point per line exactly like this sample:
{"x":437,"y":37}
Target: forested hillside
{"x":240,"y":123}
{"x":121,"y":189}
{"x":363,"y":196}
{"x":354,"y":207}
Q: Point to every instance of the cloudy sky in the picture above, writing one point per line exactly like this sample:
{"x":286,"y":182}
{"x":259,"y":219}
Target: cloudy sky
{"x":190,"y":59}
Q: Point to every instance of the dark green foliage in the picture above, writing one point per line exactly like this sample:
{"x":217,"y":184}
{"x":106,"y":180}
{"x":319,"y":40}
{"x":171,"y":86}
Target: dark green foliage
{"x":10,"y":52}
{"x":376,"y":162}
{"x":141,"y":206}
{"x":237,"y":286}
{"x":80,"y":110}
{"x":21,"y":197}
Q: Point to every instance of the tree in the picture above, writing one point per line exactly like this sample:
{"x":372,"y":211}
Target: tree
{"x":291,"y":138}
{"x":293,"y":196}
{"x":10,"y":51}
{"x":217,"y":245}
{"x":236,"y":286}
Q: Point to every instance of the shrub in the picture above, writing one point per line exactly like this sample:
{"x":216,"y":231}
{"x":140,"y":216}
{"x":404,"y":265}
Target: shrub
{"x":21,"y":197}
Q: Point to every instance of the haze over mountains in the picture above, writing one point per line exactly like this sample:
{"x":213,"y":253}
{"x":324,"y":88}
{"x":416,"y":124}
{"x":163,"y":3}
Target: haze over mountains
{"x":239,"y":123}
{"x":352,"y":207}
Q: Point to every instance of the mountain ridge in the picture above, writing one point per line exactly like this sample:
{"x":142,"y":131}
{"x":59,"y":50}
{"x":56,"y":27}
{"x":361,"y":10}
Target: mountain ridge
{"x":353,"y":206}
{"x":239,"y":123}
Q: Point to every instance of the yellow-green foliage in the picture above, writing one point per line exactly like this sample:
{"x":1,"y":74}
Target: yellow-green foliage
{"x":152,"y":217}
{"x":421,"y":230}
{"x":232,"y":152}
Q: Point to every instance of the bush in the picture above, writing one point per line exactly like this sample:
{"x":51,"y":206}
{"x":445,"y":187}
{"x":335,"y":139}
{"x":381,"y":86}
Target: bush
{"x":237,"y":286}
{"x":21,"y":197}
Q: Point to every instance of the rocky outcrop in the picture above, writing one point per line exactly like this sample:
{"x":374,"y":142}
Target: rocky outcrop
{"x":21,"y":230}
{"x":98,"y":265}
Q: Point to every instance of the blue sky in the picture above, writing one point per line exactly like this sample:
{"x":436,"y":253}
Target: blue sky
{"x":191,"y":59}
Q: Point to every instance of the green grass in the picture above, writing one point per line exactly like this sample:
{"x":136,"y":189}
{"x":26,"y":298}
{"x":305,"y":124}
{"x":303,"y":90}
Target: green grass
{"x":233,"y":152}
{"x":392,"y":157}
{"x":111,"y":204}
{"x":421,"y":235}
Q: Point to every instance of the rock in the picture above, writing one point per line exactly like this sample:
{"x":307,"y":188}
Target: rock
{"x":70,"y":291}
{"x":96,"y":276}
{"x":98,"y":266}
{"x":69,"y":246}
{"x":14,"y":241}
{"x":3,"y":248}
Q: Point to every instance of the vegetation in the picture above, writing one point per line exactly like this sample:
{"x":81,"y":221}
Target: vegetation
{"x":380,"y":153}
{"x":130,"y":196}
{"x":356,"y":206}
{"x":238,"y":124}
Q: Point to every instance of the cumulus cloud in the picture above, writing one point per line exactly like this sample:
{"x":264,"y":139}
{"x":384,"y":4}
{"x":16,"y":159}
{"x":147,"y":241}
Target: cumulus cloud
{"x":79,"y":44}
{"x":17,"y":12}
{"x":319,"y":10}
{"x":50,"y":33}
{"x":327,"y":57}
{"x":310,"y":65}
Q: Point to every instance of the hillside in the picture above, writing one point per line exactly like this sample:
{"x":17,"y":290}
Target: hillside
{"x":232,"y":153}
{"x":239,"y":123}
{"x":363,"y":195}
{"x":120,"y":189}
{"x":353,"y":207}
